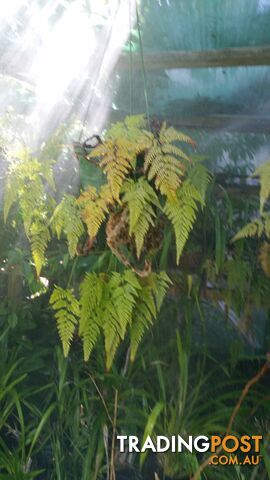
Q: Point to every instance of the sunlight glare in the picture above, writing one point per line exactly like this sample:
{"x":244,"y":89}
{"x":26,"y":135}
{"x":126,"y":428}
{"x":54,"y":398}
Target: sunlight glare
{"x":63,"y":55}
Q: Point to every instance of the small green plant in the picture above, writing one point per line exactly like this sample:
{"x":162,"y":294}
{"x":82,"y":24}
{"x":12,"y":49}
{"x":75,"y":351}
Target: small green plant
{"x":260,"y":226}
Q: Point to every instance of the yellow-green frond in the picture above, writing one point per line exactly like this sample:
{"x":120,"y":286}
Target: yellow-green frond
{"x":66,"y":219}
{"x":141,"y":198}
{"x":94,"y":208}
{"x":153,"y":290}
{"x":170,"y":134}
{"x":91,"y":294}
{"x":118,"y":158}
{"x":263,"y":171}
{"x":107,"y":304}
{"x":39,"y":237}
{"x":67,"y":310}
{"x":252,"y":229}
{"x":166,"y":162}
{"x":133,"y":129}
{"x":182,"y":212}
{"x":200,"y":177}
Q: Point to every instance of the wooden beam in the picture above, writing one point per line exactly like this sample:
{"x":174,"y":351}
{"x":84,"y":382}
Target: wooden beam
{"x":227,"y":123}
{"x":225,"y":57}
{"x":214,"y":122}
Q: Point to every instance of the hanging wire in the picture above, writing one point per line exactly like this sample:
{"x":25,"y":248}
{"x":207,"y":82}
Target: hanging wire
{"x":143,"y":66}
{"x":107,"y":42}
{"x":130,"y":63}
{"x":75,"y":262}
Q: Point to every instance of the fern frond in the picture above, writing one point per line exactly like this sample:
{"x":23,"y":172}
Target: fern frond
{"x":118,"y":158}
{"x":252,"y":229}
{"x":169,"y":134}
{"x":200,"y":177}
{"x":107,"y":304}
{"x":148,"y":304}
{"x":264,"y":258}
{"x":141,"y":198}
{"x":182,"y":212}
{"x":135,"y":122}
{"x":161,"y":283}
{"x":39,"y":237}
{"x":132,"y":129}
{"x":263,"y":171}
{"x":66,"y":219}
{"x":165,"y":162}
{"x":24,"y":185}
{"x":143,"y":316}
{"x":94,"y":207}
{"x":67,"y":310}
{"x":122,"y":293}
{"x":91,"y":295}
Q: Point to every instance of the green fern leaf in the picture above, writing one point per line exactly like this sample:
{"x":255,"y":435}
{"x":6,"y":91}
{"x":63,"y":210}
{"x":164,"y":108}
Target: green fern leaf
{"x":66,"y":219}
{"x":153,"y":290}
{"x":107,"y":304}
{"x":200,"y":177}
{"x":91,"y":295}
{"x":140,"y":198}
{"x":122,"y":293}
{"x":263,"y":171}
{"x":118,"y":158}
{"x":39,"y":237}
{"x":165,"y":162}
{"x":169,"y":134}
{"x":67,"y":310}
{"x":182,"y":212}
{"x":132,"y":129}
{"x":252,"y":229}
{"x":94,"y":207}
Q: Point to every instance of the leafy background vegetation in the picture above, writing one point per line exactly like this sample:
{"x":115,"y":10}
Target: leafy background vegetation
{"x":159,"y":271}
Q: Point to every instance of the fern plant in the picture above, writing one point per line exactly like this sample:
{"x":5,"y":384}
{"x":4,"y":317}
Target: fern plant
{"x":109,"y":305}
{"x":260,"y":227}
{"x":147,"y":181}
{"x":26,"y":185}
{"x":149,"y":175}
